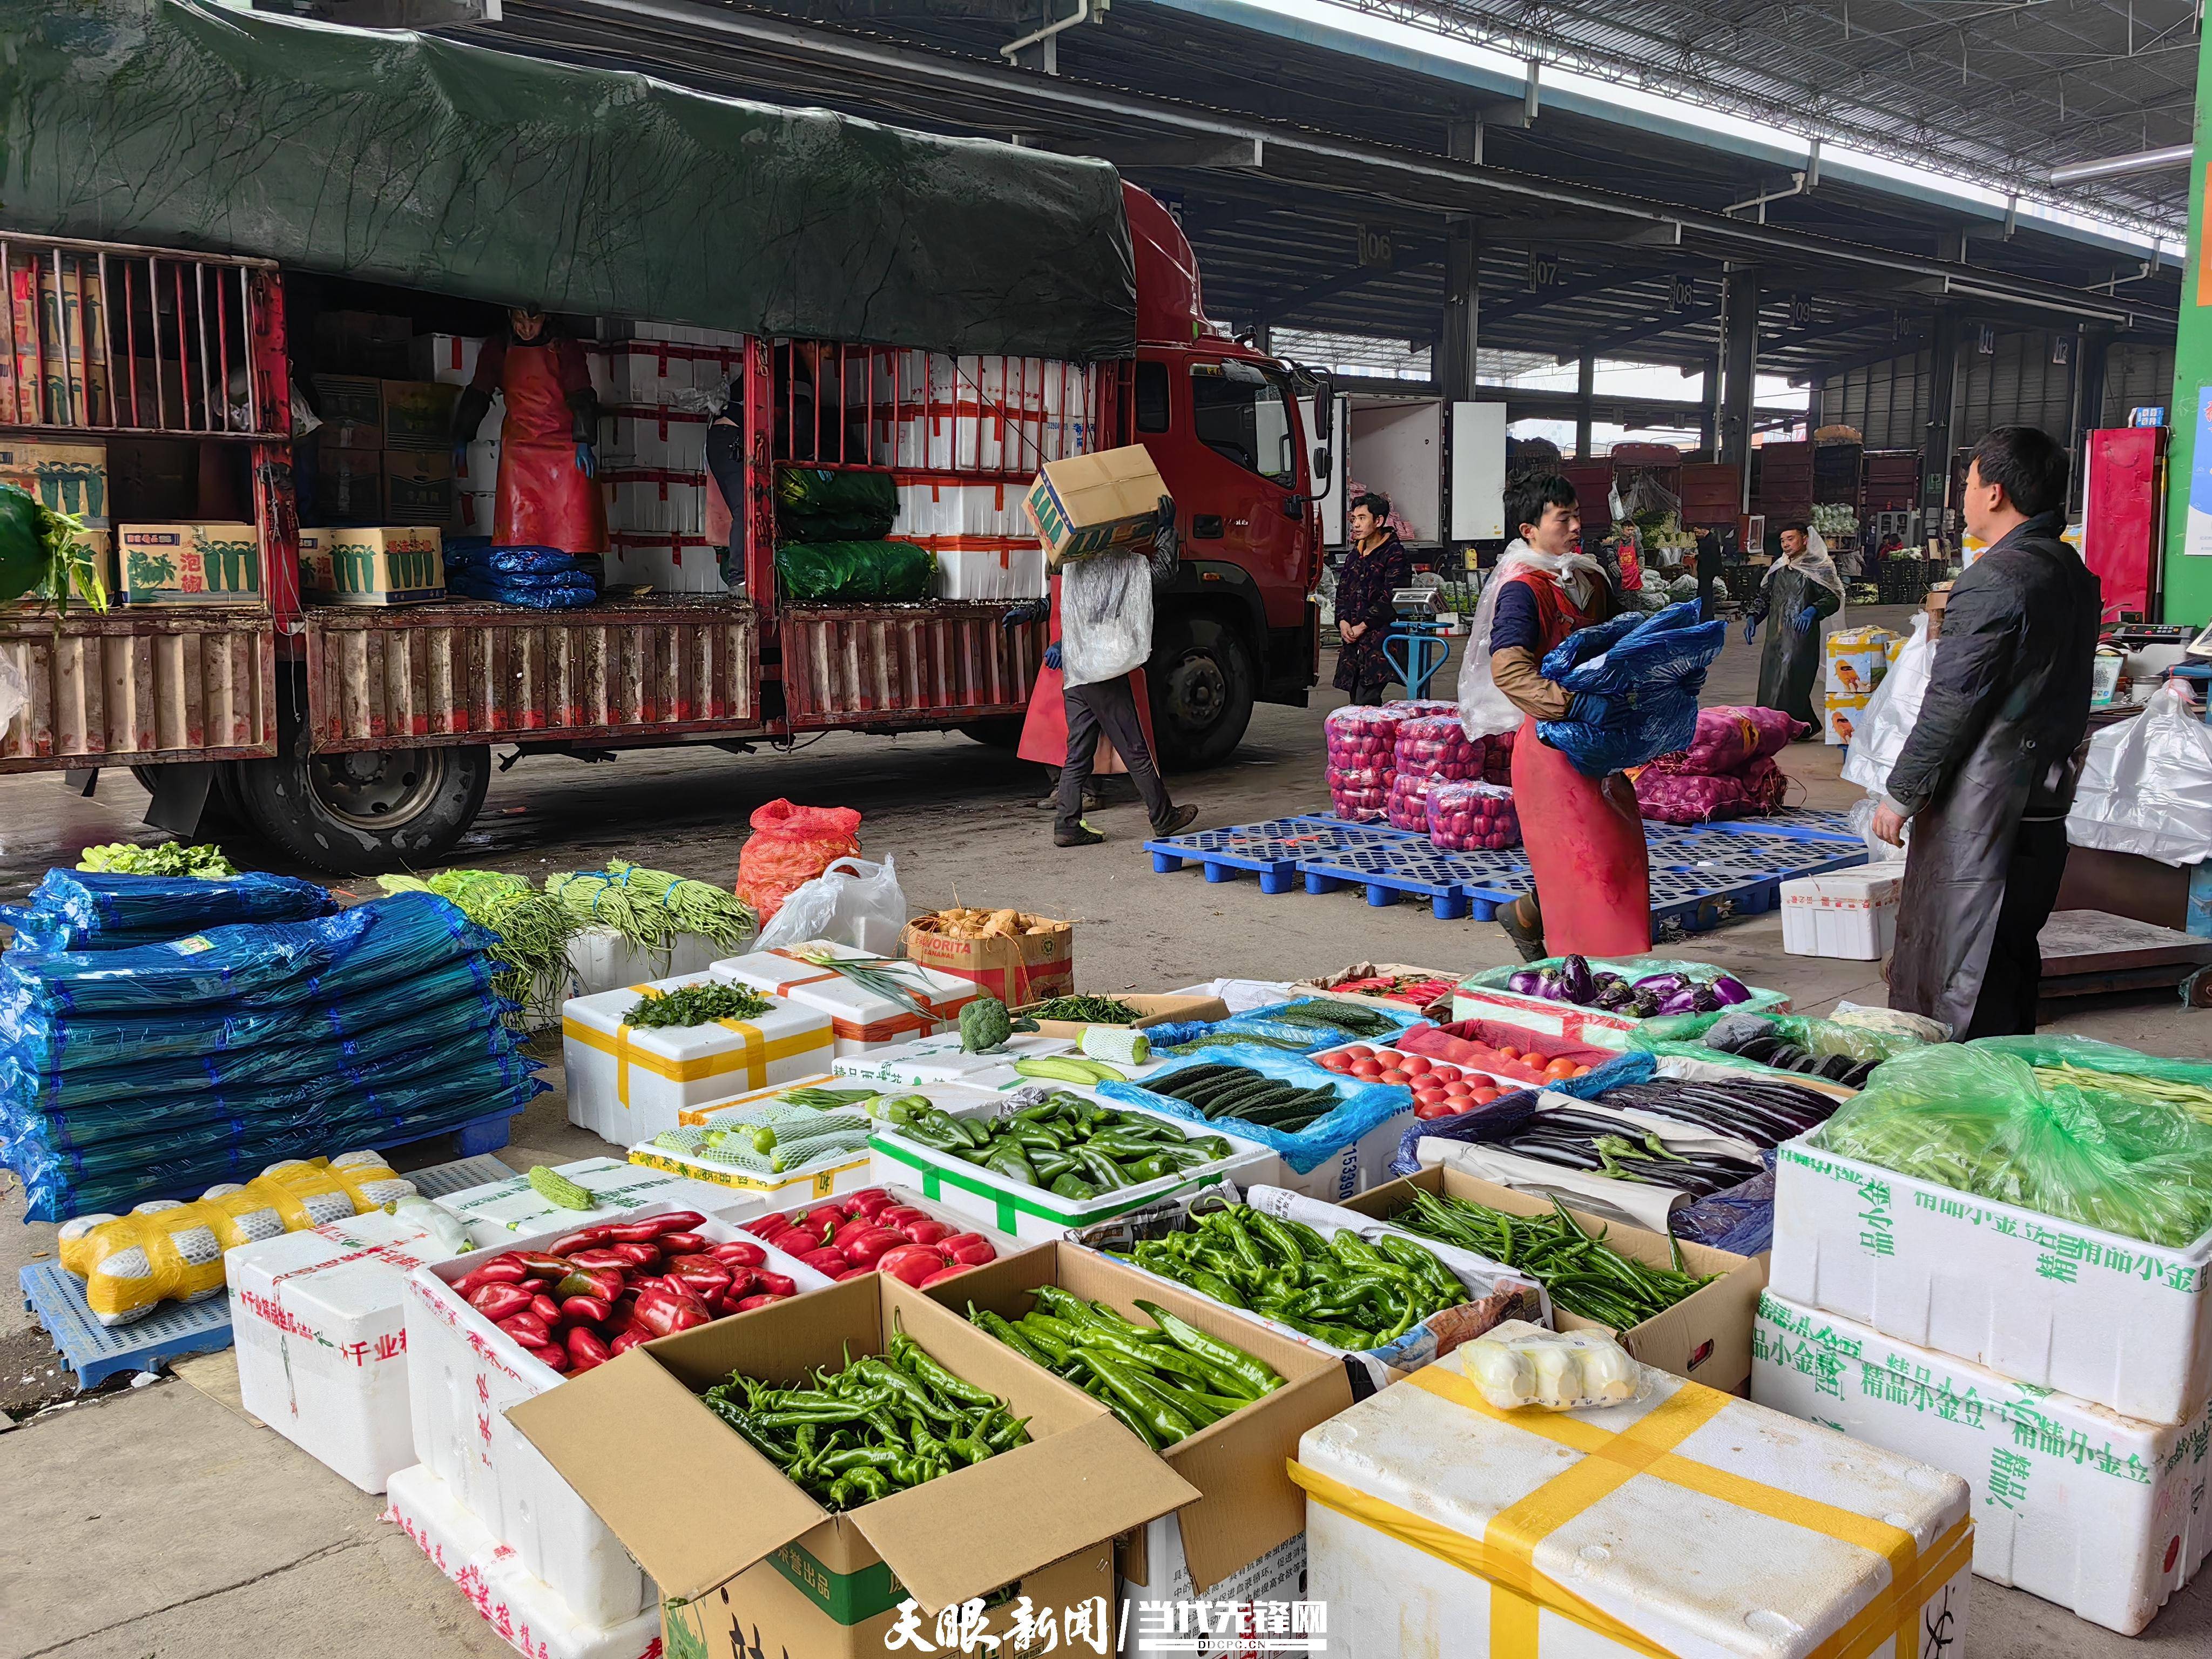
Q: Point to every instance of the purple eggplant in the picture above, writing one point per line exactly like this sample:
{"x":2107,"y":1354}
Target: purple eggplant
{"x":1524,"y":982}
{"x":1662,"y":985}
{"x":1684,"y":1001}
{"x":1549,"y":985}
{"x":1703,"y":1001}
{"x":1731,"y":990}
{"x":1576,"y":984}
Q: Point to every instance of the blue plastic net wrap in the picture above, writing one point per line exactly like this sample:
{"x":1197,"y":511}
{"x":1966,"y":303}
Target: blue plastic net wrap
{"x":462,"y":1022}
{"x":36,"y":1041}
{"x":1485,"y":1121}
{"x":94,"y":904}
{"x":1644,"y":673}
{"x":1364,"y":1106}
{"x":34,"y":930}
{"x":559,"y":590}
{"x":1261,"y":1022}
{"x":252,"y":965}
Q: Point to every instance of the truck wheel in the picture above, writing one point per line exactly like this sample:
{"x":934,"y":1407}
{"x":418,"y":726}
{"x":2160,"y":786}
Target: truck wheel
{"x":999,"y":731}
{"x":366,"y":811}
{"x":225,"y":809}
{"x":1201,"y":684}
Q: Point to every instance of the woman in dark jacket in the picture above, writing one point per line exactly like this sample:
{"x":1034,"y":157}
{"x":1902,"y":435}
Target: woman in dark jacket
{"x":1377,"y":566}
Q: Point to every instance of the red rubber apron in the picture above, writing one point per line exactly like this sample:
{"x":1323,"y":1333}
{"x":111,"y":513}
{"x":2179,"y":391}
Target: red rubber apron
{"x":1044,"y":728}
{"x":544,"y":499}
{"x":1584,"y":836}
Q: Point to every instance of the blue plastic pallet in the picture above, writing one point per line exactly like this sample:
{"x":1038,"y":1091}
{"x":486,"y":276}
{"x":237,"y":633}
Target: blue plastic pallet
{"x":1270,"y":850}
{"x":1330,"y":821}
{"x":1411,"y":866}
{"x":1798,"y":822}
{"x":175,"y":1329}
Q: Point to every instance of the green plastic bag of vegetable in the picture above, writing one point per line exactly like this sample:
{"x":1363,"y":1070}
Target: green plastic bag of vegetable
{"x":854,"y":570}
{"x":1979,"y":1121}
{"x":2089,"y":1064}
{"x":1683,"y":1035}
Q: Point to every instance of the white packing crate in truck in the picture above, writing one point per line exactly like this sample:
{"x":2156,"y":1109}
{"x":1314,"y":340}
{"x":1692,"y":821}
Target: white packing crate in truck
{"x":322,"y":1352}
{"x":1686,"y":1523}
{"x":1851,"y":914}
{"x":859,"y":1019}
{"x":2079,"y":1505}
{"x":1006,"y":570}
{"x":463,"y":1374}
{"x":627,"y":1083}
{"x":2049,"y":1303}
{"x":525,"y":1610}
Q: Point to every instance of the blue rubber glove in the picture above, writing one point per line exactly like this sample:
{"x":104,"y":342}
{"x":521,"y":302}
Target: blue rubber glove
{"x":1750,"y":630}
{"x":587,"y":461}
{"x":1806,"y":618}
{"x":1031,"y":610}
{"x":460,"y":458}
{"x":1051,"y":655}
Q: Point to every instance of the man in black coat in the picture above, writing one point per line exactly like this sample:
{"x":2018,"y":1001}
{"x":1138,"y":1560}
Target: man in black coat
{"x":1988,"y":773}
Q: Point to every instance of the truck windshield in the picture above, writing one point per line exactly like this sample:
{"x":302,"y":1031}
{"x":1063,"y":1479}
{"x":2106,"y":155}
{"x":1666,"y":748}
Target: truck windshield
{"x":1243,"y":415}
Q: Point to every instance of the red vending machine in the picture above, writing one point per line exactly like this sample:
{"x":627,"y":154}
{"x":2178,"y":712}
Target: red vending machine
{"x":2123,"y":516}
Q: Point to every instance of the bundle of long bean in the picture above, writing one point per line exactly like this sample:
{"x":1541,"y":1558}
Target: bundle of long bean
{"x":1585,"y":1276}
{"x":872,"y":1427}
{"x":534,"y":931}
{"x":2193,"y":1098}
{"x":650,"y":907}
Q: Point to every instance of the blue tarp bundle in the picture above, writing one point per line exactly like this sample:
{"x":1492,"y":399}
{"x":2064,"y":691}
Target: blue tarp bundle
{"x":1644,"y":673}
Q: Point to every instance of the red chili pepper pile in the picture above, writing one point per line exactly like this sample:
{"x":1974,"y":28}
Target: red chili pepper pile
{"x":601,"y":1290}
{"x":869,"y":1231}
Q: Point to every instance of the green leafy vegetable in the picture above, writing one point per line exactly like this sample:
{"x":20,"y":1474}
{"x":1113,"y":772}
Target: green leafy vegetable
{"x":651,"y":908}
{"x":695,"y":1005}
{"x":1090,"y":1010}
{"x":169,"y":859}
{"x":43,"y":553}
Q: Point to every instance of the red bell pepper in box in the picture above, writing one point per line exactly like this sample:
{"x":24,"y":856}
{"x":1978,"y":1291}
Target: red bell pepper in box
{"x":498,"y":1302}
{"x":940,"y":1276}
{"x":553,"y":1356}
{"x":605,"y":1283}
{"x":684,"y":1243}
{"x":587,"y":1349}
{"x":822,"y":1219}
{"x":660,"y":1310}
{"x":527,"y":1328}
{"x":762,"y":1225}
{"x":585,"y":1310}
{"x":627,"y":1340}
{"x":737,"y":1253}
{"x":866,"y":1201}
{"x":583,"y":1240}
{"x":637,"y":1255}
{"x":910,"y":1263}
{"x":707,"y":1282}
{"x":600,"y":1256}
{"x":970,"y":1249}
{"x":752,"y":1302}
{"x":546,"y":1309}
{"x":825,"y":1260}
{"x":926,"y":1232}
{"x":776,"y":1284}
{"x":854,"y":1272}
{"x":622,"y":1315}
{"x":861,"y":1249}
{"x":500,"y":1270}
{"x":652,"y":1226}
{"x":897,"y":1215}
{"x":538,"y":1264}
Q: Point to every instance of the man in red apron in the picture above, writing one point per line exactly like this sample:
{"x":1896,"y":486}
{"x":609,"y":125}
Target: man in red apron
{"x":1044,"y":727}
{"x":548,"y":489}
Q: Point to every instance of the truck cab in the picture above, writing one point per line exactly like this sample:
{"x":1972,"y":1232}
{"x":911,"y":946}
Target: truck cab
{"x":1224,"y":426}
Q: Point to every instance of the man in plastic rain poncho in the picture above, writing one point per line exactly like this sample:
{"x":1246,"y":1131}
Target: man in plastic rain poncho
{"x":1988,"y":772}
{"x":1105,"y":636}
{"x":1802,"y":588}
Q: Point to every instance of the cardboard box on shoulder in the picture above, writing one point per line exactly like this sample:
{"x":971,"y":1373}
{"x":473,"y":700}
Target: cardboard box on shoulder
{"x":377,"y":565}
{"x":1086,"y":504}
{"x":188,"y":564}
{"x":748,"y":1562}
{"x":61,"y":477}
{"x":419,"y":487}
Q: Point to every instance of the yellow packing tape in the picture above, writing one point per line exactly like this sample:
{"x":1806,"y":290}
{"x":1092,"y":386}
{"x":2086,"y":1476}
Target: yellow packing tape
{"x":751,"y":1057}
{"x":1504,"y":1555}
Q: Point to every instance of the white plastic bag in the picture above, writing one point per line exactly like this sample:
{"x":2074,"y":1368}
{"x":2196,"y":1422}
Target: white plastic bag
{"x":1861,"y":819}
{"x":1516,"y":1365}
{"x":2147,"y":784}
{"x":853,"y":901}
{"x":14,"y":691}
{"x":1891,"y":709}
{"x":1105,"y":617}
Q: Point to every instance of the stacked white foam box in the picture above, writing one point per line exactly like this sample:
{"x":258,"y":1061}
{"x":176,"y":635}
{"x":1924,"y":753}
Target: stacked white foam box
{"x":1003,"y":572}
{"x":1851,"y":914}
{"x":2063,"y":1324}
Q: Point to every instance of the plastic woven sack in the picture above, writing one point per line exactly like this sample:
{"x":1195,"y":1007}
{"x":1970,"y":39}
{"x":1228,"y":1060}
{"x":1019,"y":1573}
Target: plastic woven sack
{"x":1891,"y":708}
{"x":255,"y":964}
{"x":1366,"y":1106}
{"x":791,"y":845}
{"x":39,"y":1042}
{"x":90,"y":904}
{"x":853,"y":569}
{"x":1464,"y":818}
{"x":819,"y":504}
{"x":1728,"y":739}
{"x":2146,"y":784}
{"x":1978,"y":1121}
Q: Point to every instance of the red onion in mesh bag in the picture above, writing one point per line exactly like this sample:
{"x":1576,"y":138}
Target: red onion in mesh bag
{"x":1434,"y":746}
{"x":1464,"y":816}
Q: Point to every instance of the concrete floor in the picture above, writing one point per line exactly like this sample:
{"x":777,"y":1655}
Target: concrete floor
{"x":163,"y":1520}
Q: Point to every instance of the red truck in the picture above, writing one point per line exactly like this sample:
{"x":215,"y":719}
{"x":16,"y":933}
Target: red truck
{"x":358,"y":738}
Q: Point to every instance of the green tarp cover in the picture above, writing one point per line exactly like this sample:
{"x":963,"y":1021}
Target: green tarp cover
{"x":399,"y":158}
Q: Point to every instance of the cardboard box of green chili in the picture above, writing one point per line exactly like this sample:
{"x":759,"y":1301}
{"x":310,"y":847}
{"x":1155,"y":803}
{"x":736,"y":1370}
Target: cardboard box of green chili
{"x":1705,"y":1336}
{"x":1161,"y":1008}
{"x":748,"y":1562}
{"x":1243,"y":1540}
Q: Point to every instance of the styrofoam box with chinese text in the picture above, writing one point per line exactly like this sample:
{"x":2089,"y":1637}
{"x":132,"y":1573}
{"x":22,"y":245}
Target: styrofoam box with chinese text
{"x":2095,"y":1511}
{"x":501,"y":1212}
{"x":859,"y":1019}
{"x":524,"y":1610}
{"x":322,"y":1353}
{"x":627,"y":1083}
{"x":940,"y":1059}
{"x":1851,"y":914}
{"x":602,"y":959}
{"x":463,"y":1373}
{"x":646,"y":371}
{"x":2051,"y":1304}
{"x":1164,"y":1610}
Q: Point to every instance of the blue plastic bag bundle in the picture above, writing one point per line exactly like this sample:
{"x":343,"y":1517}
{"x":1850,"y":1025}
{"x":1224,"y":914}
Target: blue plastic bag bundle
{"x":1262,"y":1023}
{"x":481,"y":558}
{"x":565,"y":591}
{"x":95,"y":903}
{"x":31,"y":930}
{"x":1483,"y":1123}
{"x":1739,"y":1220}
{"x":1645,"y":672}
{"x":254,"y":965}
{"x":1365,"y":1106}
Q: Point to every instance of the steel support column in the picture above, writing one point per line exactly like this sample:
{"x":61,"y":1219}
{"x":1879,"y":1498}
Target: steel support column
{"x":1739,"y":368}
{"x":1454,"y":367}
{"x":2091,"y":350}
{"x":1585,"y":388}
{"x":1708,"y":412}
{"x":1936,"y":449}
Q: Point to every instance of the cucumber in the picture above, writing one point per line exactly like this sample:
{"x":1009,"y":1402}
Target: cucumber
{"x":558,"y":1190}
{"x":1233,"y":1078}
{"x":1236,"y":1100}
{"x":1182,"y":1084}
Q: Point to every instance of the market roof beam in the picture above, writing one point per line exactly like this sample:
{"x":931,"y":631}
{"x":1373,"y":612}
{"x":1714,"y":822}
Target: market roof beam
{"x":1426,"y":257}
{"x":1607,"y":346}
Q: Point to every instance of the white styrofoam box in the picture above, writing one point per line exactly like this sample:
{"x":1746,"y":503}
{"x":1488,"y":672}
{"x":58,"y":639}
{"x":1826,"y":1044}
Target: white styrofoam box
{"x":1278,"y":1575}
{"x":667,"y":506}
{"x":940,"y":505}
{"x":1035,"y":1212}
{"x":2045,"y":1301}
{"x":655,"y":440}
{"x":479,"y":511}
{"x":859,"y":1019}
{"x":1851,"y":914}
{"x":451,"y":358}
{"x":524,"y":1610}
{"x":498,"y":1212}
{"x":322,"y":1353}
{"x":1353,"y":1170}
{"x":1005,"y":572}
{"x":1710,"y":1552}
{"x":626,"y":1085}
{"x":938,"y":1059}
{"x":693,"y":568}
{"x":644,"y":372}
{"x":633,"y":560}
{"x":2073,"y":1502}
{"x":602,"y":959}
{"x":1601,"y":1027}
{"x":463,"y":1373}
{"x":479,"y":469}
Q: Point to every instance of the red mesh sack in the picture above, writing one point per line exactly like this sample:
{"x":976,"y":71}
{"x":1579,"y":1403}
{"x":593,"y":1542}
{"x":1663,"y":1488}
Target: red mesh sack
{"x":791,"y":845}
{"x":1728,"y":739}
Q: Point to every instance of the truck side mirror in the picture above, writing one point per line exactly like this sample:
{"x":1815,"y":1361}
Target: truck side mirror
{"x":1322,"y":464}
{"x":1324,"y":409}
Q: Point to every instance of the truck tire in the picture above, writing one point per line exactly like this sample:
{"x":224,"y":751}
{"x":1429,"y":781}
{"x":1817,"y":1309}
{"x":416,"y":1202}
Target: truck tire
{"x":365,"y":812}
{"x":1201,"y":683}
{"x":225,"y":809}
